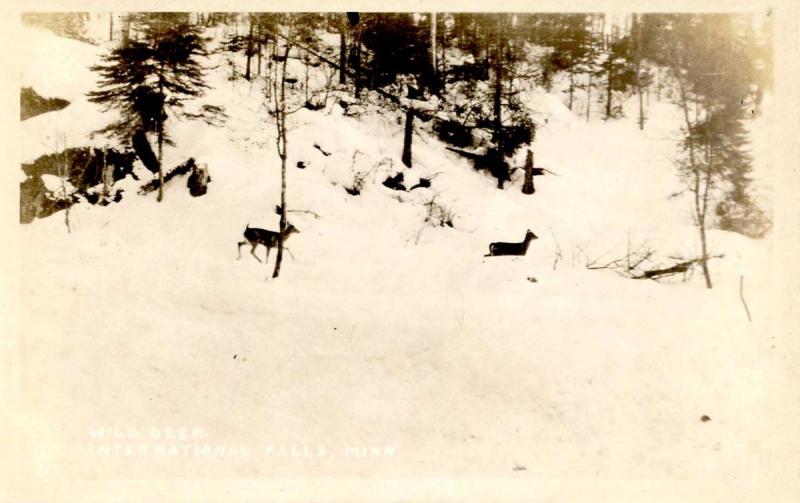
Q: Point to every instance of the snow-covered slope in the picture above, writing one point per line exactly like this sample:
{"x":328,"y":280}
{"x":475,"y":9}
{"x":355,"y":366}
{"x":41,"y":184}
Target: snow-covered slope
{"x":382,"y":331}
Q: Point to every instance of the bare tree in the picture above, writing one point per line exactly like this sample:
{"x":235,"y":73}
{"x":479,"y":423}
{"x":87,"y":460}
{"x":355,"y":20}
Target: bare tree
{"x":701,"y":178}
{"x":279,"y":102}
{"x":299,"y":28}
{"x":249,"y":49}
{"x":408,"y":133}
{"x":63,"y":165}
{"x":342,"y":24}
{"x":434,"y":69}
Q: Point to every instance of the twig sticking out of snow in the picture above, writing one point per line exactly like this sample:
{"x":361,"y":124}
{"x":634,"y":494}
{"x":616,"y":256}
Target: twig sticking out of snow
{"x":557,"y":256}
{"x":326,"y":154}
{"x":741,"y":296}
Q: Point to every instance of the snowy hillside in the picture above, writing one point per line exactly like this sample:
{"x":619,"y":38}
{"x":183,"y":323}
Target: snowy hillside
{"x":383,"y":330}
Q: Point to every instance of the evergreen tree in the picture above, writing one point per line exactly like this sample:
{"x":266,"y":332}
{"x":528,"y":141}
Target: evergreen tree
{"x":641,"y":77}
{"x":619,"y":71}
{"x":397,"y":45}
{"x":713,"y":68}
{"x":570,"y":38}
{"x":148,"y":76}
{"x":491,"y":114}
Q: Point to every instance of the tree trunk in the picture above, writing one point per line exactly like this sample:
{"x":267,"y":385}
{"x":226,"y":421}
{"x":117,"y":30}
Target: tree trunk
{"x":434,"y":69}
{"x":282,"y":226}
{"x":603,"y":32}
{"x":160,"y":157}
{"x":161,"y":138}
{"x":63,"y":169}
{"x":641,"y":109}
{"x":701,"y":224}
{"x":249,"y":50}
{"x":443,"y":63}
{"x":704,"y":206}
{"x":280,"y":118}
{"x":407,"y":137}
{"x":637,"y":34}
{"x":527,"y":187}
{"x":704,"y":248}
{"x":608,"y":92}
{"x":258,"y":57}
{"x":658,"y":84}
{"x":358,"y":60}
{"x":589,"y":98}
{"x":305,"y":84}
{"x":497,"y":133}
{"x":342,"y":55}
{"x":126,"y":28}
{"x":110,"y":26}
{"x":269,"y":52}
{"x":571,"y":88}
{"x":700,"y":207}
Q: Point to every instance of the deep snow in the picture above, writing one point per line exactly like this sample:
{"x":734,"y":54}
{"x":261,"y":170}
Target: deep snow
{"x":379,"y":335}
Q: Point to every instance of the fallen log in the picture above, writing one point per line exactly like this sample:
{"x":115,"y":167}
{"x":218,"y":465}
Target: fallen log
{"x":679,"y":268}
{"x":182,"y":169}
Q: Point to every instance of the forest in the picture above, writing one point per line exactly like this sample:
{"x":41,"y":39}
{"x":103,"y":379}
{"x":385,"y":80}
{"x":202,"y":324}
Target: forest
{"x":461,"y":75}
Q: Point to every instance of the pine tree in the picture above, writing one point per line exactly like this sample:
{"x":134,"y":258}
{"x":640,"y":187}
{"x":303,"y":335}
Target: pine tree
{"x":641,"y":77}
{"x":489,"y":82}
{"x":146,"y":77}
{"x":570,"y":38}
{"x":713,"y":66}
{"x":619,"y":71}
{"x":396,"y":46}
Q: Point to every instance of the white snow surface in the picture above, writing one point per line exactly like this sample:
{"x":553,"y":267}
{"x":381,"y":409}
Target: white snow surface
{"x":378,"y":335}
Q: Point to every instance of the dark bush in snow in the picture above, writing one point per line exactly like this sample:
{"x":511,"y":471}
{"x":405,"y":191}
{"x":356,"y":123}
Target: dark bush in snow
{"x":198,"y":180}
{"x":453,"y":132}
{"x":86,"y":169}
{"x":395,"y":182}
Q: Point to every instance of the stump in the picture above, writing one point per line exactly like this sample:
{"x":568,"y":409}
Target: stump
{"x":527,"y":187}
{"x":198,"y":180}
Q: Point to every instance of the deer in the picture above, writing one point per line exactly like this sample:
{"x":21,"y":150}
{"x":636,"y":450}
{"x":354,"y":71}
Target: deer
{"x":500,"y":248}
{"x":269,"y":239}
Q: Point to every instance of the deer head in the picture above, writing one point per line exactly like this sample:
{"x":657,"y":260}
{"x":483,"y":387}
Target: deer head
{"x":289,"y":230}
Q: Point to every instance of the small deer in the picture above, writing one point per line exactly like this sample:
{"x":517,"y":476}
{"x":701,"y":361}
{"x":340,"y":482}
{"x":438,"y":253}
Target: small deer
{"x":269,"y":239}
{"x":500,"y":248}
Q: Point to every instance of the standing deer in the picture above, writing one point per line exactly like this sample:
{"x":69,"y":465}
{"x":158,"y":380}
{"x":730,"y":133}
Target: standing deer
{"x":269,"y":239}
{"x":500,"y":248}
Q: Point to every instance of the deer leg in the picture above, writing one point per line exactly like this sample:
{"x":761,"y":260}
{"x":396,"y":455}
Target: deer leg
{"x":266,"y":259}
{"x":253,"y":251}
{"x":241,"y":243}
